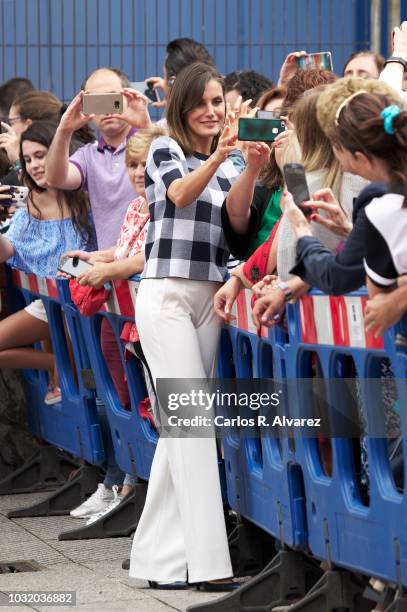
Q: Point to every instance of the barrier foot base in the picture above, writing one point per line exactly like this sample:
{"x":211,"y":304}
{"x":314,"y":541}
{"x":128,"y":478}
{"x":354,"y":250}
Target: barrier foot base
{"x":126,"y":564}
{"x":48,"y":468}
{"x":70,"y":495}
{"x":336,"y":591}
{"x":287,"y":577}
{"x":251,"y":549}
{"x":399,"y":604}
{"x":121,"y":521}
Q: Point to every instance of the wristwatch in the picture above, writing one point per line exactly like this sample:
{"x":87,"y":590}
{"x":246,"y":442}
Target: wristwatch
{"x":394,"y":59}
{"x":288,"y":296}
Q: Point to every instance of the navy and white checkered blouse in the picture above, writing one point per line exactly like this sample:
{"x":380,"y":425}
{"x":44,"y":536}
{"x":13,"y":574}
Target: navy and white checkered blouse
{"x":184,"y":242}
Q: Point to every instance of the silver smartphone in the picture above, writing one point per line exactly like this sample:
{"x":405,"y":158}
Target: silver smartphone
{"x":102,"y":103}
{"x":73,"y":266}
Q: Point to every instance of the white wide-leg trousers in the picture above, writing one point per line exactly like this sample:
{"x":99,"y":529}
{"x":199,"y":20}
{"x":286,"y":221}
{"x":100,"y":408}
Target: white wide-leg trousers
{"x":182,"y":527}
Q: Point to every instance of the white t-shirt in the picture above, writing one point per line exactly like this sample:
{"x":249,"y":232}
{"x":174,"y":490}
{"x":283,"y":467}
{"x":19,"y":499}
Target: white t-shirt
{"x":386,"y":239}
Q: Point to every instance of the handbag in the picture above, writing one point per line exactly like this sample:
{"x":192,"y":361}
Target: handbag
{"x":88,"y":300}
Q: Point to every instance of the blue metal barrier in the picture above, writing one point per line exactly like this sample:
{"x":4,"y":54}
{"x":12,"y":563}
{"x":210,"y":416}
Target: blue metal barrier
{"x":367,"y":532}
{"x":134,"y":438}
{"x":279,"y":484}
{"x":263,"y":479}
{"x":72,"y":424}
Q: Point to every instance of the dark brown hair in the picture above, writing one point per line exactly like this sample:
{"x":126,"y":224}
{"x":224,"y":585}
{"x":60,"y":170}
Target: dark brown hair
{"x":39,"y":106}
{"x":186,"y":94}
{"x":77,"y":201}
{"x":304,"y":80}
{"x":275,"y":93}
{"x":181,"y":52}
{"x":360,"y":127}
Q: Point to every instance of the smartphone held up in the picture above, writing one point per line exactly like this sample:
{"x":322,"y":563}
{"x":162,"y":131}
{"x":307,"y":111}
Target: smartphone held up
{"x":259,"y":130}
{"x":102,"y":103}
{"x":147,"y":89}
{"x":296,"y":181}
{"x":321,"y":61}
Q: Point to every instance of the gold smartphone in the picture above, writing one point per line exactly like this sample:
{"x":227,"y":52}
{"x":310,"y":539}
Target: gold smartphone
{"x":102,"y":103}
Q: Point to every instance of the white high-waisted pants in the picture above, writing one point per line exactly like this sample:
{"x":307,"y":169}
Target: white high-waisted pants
{"x":182,"y":527}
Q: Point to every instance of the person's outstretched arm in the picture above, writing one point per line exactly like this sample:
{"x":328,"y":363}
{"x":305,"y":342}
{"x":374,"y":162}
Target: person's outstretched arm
{"x":60,"y":173}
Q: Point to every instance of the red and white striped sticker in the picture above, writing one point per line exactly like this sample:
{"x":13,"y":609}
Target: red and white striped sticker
{"x":242,"y":310}
{"x":35,"y":284}
{"x":122,"y":299}
{"x":336,"y":321}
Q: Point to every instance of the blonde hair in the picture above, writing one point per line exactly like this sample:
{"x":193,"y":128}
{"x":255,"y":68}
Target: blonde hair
{"x":139,"y":144}
{"x":334,"y":95}
{"x":316,"y":149}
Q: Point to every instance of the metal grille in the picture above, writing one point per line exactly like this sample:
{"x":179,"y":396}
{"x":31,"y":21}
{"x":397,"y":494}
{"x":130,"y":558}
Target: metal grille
{"x":57,"y":42}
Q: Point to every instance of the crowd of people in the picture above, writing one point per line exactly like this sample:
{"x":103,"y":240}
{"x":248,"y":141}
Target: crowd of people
{"x":200,"y":215}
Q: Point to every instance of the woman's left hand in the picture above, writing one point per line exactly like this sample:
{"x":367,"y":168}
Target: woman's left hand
{"x":258,"y":155}
{"x":295,"y":215}
{"x":10,"y":142}
{"x":96,"y":277}
{"x":268,"y":310}
{"x":263,"y":286}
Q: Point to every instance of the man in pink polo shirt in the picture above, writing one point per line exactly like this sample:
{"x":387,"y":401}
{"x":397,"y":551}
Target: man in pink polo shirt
{"x":98,"y":167}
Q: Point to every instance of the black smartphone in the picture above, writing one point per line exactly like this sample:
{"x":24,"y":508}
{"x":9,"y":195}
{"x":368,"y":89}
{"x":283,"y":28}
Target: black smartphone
{"x":147,"y":89}
{"x":260,"y":130}
{"x":296,"y":181}
{"x":73,"y":266}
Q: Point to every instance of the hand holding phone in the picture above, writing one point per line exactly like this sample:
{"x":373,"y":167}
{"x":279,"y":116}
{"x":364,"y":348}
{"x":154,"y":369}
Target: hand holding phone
{"x":13,"y":195}
{"x":295,"y":179}
{"x":147,"y":89}
{"x":73,"y":266}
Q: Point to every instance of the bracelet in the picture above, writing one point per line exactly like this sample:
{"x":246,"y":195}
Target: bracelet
{"x":394,"y":59}
{"x":288,"y":295}
{"x":17,"y":165}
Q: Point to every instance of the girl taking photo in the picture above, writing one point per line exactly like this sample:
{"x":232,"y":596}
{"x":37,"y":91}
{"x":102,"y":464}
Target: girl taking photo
{"x":53,"y":223}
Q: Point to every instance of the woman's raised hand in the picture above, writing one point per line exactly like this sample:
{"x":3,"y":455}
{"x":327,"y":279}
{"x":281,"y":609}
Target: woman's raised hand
{"x":10,"y":142}
{"x":258,"y":155}
{"x":289,"y":67}
{"x":226,"y":143}
{"x":335,"y":219}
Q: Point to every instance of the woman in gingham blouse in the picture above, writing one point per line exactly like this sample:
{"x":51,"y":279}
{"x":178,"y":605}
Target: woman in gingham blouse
{"x":181,"y":533}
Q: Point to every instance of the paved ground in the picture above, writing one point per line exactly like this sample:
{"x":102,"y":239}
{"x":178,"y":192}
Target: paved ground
{"x":92,"y":568}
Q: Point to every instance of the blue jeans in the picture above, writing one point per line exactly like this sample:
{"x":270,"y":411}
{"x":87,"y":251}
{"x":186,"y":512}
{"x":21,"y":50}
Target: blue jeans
{"x":114,"y":475}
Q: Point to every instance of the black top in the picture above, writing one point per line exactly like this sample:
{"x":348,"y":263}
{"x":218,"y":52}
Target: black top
{"x":239,"y":244}
{"x":344,"y":272}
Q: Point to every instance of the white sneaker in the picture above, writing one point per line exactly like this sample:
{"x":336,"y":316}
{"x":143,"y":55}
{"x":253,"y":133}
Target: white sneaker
{"x":96,"y":502}
{"x":112,"y":504}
